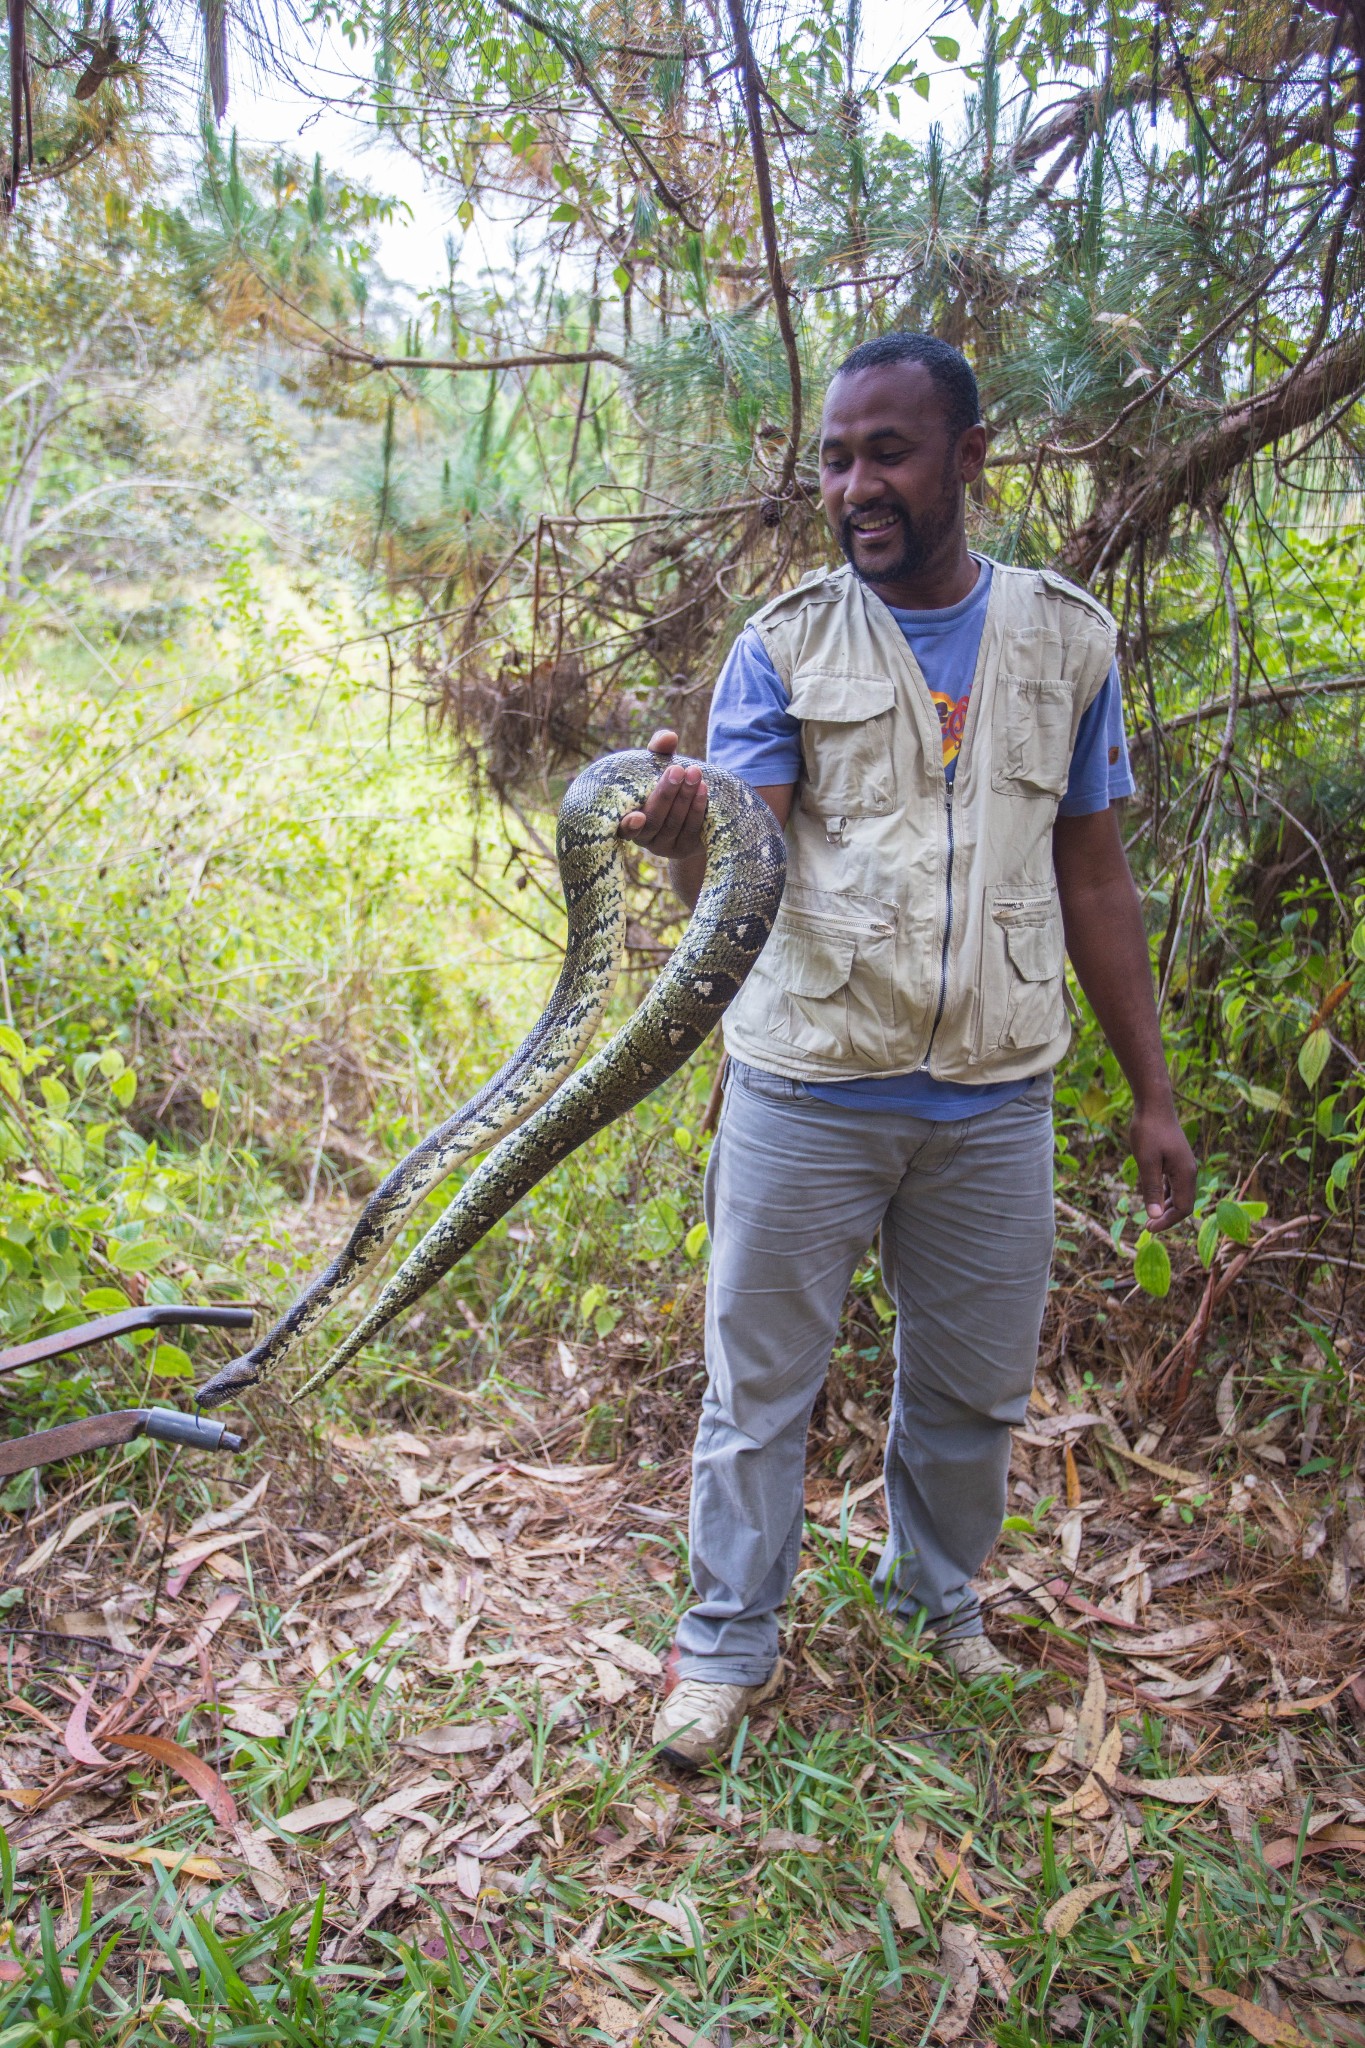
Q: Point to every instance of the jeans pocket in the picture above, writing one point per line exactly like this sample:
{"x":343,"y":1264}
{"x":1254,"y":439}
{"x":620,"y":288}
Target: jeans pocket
{"x":758,"y":1081}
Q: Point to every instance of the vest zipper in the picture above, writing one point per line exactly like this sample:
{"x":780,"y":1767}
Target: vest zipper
{"x":947,"y":937}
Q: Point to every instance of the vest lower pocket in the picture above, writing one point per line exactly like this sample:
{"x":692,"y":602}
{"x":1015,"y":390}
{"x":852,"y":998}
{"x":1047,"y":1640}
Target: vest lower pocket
{"x":833,"y":997}
{"x":1021,"y":974}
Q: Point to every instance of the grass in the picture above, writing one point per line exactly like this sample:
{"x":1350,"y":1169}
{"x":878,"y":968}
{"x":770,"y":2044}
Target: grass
{"x":783,"y":1942}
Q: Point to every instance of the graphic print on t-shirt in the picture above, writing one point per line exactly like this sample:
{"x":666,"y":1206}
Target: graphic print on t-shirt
{"x":951,"y":717}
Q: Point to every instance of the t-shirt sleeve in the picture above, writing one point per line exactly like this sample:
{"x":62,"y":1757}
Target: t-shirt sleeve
{"x":752,"y":733}
{"x":1100,"y":771}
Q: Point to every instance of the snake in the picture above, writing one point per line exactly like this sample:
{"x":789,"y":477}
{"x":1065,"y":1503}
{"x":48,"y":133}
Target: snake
{"x":541,"y":1105}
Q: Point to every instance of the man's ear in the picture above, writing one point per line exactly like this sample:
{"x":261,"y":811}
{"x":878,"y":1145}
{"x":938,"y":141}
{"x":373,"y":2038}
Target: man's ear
{"x":971,"y":453}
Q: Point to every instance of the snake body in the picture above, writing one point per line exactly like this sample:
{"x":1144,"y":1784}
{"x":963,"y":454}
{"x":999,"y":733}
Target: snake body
{"x":536,"y":1106}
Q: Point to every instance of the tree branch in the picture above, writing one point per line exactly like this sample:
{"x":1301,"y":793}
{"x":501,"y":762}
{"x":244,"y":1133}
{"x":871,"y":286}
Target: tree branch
{"x":752,"y":87}
{"x":1152,"y":489}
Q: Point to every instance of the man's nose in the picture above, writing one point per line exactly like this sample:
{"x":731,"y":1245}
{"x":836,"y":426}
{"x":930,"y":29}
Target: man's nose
{"x":863,"y":485}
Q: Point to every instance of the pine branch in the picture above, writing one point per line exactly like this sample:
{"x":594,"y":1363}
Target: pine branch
{"x":1149,"y":493}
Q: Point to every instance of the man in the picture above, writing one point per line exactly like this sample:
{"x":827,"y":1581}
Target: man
{"x":941,"y":738}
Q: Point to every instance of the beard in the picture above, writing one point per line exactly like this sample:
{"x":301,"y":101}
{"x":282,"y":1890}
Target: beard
{"x":921,"y":538}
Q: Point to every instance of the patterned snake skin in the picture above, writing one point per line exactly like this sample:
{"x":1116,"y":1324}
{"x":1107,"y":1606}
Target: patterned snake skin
{"x":555,"y":1108}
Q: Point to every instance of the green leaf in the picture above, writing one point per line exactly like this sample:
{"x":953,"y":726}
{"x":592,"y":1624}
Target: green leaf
{"x":922,"y":85}
{"x":169,"y":1362}
{"x":1314,"y":1054}
{"x":123,"y":1087}
{"x":659,"y":1226}
{"x":139,"y":1257}
{"x":111,"y":1063}
{"x":1152,"y":1267}
{"x":16,"y":1257}
{"x":105,"y":1301}
{"x":1234,"y":1221}
{"x":620,"y":277}
{"x":696,"y":1240}
{"x":11,"y":1042}
{"x":591,"y":1300}
{"x":1207,"y":1241}
{"x":565,"y":211}
{"x":946,"y":48}
{"x":55,"y":1094}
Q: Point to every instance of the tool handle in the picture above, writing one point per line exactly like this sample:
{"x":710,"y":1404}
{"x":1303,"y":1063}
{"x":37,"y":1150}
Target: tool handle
{"x":159,"y":1316}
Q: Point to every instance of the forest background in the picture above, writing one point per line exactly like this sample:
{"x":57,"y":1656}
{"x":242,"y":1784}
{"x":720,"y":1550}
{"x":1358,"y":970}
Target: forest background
{"x":314,"y":593}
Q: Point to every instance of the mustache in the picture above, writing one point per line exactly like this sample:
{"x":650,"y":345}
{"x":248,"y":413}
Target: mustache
{"x":847,"y":530}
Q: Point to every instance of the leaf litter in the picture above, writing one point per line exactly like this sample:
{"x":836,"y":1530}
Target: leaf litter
{"x":427,"y":1707}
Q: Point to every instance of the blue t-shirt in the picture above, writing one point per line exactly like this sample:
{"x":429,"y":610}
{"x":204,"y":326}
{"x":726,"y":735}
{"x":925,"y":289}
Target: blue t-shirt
{"x":754,"y":735}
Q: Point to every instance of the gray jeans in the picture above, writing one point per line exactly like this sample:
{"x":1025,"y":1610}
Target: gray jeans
{"x":796,"y":1191}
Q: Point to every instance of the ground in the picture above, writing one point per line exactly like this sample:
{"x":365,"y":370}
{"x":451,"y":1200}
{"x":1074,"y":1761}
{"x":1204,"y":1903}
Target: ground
{"x":350,"y":1741}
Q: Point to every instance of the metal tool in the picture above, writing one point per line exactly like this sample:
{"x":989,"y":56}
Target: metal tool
{"x":120,"y":1425}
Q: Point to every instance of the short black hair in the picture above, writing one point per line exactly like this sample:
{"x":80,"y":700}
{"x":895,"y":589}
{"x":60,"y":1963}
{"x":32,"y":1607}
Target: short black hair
{"x":947,"y":366}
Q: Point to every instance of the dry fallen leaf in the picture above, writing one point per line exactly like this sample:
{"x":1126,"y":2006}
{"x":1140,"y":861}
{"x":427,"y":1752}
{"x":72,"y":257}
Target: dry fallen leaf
{"x":182,"y":1861}
{"x":900,"y":1900}
{"x":198,"y":1775}
{"x":613,"y":1683}
{"x":453,"y":1738}
{"x":957,"y":1953}
{"x":1090,"y":1721}
{"x":322,"y":1813}
{"x":626,"y":1653}
{"x":263,"y":1867}
{"x":1063,"y":1914}
{"x":228,"y":1517}
{"x":1280,"y":1854}
{"x":1256,"y":2020}
{"x":777,"y":1841}
{"x":561,"y":1475}
{"x":69,"y":1533}
{"x":953,"y":1866}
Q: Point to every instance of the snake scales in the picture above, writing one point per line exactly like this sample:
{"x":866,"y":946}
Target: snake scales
{"x":537,"y":1108}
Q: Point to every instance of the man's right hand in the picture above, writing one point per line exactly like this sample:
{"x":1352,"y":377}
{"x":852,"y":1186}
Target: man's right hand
{"x":670,"y":825}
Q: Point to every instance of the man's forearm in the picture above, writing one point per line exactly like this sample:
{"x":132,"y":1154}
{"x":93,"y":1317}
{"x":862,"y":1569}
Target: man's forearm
{"x":1107,"y":942}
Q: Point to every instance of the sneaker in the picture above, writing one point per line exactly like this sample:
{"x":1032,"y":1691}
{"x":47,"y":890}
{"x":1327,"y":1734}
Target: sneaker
{"x":697,"y":1720}
{"x":976,"y":1657}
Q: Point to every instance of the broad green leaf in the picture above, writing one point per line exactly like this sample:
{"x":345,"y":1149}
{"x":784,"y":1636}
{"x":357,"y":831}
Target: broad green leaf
{"x":11,"y":1042}
{"x":1152,"y":1267}
{"x":123,"y":1087}
{"x":55,"y":1094}
{"x":111,"y":1063}
{"x":139,"y":1257}
{"x":696,"y":1240}
{"x":1207,"y":1241}
{"x":169,"y":1362}
{"x":945,"y":48}
{"x":1234,"y":1221}
{"x":105,"y":1301}
{"x":1314,"y":1054}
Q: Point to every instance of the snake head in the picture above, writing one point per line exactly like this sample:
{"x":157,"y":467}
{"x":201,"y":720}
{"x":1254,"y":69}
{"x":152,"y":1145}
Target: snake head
{"x":234,"y":1376}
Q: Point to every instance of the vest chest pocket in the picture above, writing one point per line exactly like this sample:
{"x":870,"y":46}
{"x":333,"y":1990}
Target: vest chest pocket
{"x":1034,"y":735}
{"x":845,"y":742}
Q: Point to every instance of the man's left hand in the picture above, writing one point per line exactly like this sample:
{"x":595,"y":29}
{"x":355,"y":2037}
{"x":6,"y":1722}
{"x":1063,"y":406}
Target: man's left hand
{"x":1165,"y":1164}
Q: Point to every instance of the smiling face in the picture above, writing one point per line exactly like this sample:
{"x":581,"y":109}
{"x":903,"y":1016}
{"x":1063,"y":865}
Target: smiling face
{"x":893,"y":479}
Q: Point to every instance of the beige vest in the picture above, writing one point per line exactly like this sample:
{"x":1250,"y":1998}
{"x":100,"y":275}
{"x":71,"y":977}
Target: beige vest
{"x":921,"y":927}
